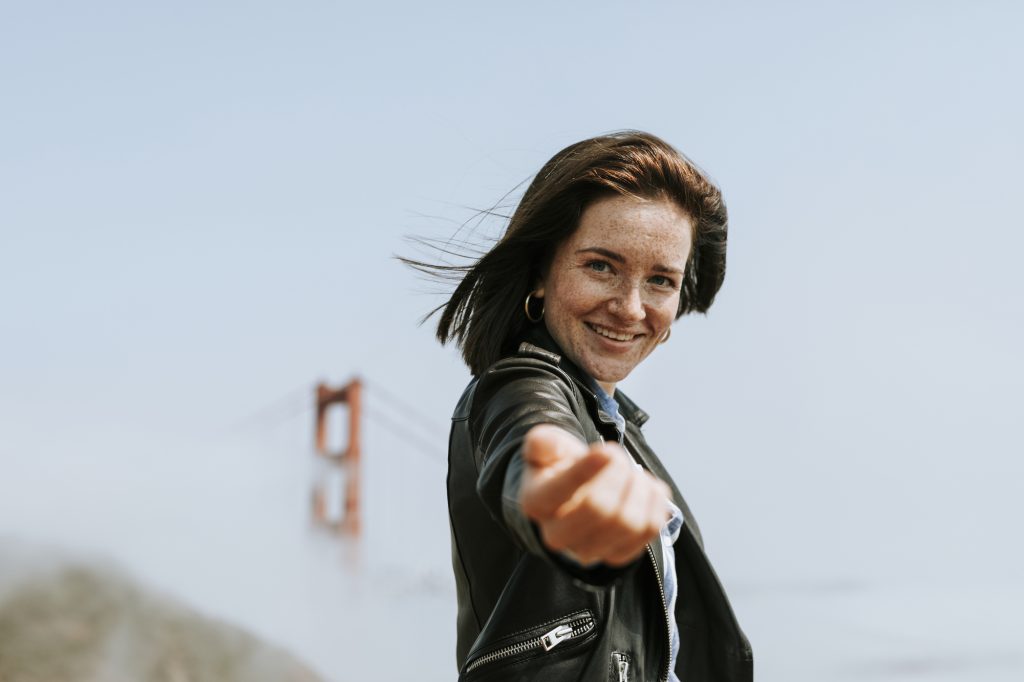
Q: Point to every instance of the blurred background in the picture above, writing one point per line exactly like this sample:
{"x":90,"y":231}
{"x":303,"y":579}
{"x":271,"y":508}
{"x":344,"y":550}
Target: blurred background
{"x":199,"y":208}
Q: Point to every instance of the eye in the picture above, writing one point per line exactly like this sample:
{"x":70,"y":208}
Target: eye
{"x":598,"y":266}
{"x":662,"y":281}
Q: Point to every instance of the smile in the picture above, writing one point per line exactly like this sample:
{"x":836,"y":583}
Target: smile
{"x":609,"y":334}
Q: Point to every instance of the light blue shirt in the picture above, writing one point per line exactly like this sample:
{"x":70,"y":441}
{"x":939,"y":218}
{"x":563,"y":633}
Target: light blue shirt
{"x":669,"y":534}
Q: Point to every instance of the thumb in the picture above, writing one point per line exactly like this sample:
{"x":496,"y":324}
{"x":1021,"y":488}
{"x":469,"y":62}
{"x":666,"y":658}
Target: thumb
{"x":547,"y":445}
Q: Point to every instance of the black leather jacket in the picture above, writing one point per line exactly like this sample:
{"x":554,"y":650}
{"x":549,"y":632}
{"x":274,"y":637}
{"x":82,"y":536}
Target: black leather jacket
{"x":526,"y":613}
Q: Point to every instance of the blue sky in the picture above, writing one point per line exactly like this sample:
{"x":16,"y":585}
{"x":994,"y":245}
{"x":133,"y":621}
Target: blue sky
{"x":201,"y":202}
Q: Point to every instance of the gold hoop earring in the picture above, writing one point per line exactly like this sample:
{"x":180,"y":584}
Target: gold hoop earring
{"x":526,"y":309}
{"x":668,"y":333}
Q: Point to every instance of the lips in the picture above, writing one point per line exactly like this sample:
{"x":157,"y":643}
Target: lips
{"x":611,"y":333}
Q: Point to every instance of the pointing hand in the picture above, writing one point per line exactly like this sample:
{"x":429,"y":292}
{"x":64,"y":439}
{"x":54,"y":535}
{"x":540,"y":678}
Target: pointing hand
{"x":590,"y":502}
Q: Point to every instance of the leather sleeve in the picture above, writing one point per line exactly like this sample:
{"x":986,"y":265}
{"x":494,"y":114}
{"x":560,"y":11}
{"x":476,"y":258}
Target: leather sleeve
{"x":512,"y":397}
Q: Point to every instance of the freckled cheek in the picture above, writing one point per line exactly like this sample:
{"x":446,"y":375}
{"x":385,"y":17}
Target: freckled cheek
{"x":667,"y":310}
{"x":588,"y":294}
{"x":665,"y":316}
{"x":579,"y":300}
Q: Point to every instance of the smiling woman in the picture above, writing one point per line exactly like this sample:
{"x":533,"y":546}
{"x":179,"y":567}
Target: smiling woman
{"x":575,"y":555}
{"x":612,"y":289}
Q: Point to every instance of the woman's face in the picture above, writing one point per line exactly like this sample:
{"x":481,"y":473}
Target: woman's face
{"x":612,"y":290}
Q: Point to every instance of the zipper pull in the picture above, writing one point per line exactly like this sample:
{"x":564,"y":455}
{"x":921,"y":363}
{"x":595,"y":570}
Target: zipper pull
{"x":559,"y":634}
{"x":623,"y":670}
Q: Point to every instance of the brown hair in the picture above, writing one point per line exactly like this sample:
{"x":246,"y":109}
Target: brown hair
{"x":484,"y":314}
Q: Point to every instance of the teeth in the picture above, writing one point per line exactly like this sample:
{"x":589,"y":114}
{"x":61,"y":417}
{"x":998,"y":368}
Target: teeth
{"x":610,"y":334}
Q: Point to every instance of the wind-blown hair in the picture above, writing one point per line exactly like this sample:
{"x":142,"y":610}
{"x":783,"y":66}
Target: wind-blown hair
{"x":485,"y":315}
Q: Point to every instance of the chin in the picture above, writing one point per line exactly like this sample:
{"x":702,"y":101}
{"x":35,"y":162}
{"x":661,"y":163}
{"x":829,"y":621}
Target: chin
{"x":603,"y":371}
{"x":608,"y":377}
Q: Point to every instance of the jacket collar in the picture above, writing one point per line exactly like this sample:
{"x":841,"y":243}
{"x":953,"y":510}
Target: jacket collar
{"x":537,"y":335}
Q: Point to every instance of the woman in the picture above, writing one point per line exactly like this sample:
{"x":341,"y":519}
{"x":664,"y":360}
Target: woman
{"x":575,"y":556}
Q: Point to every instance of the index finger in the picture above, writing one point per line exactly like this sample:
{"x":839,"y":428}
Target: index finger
{"x":546,"y":444}
{"x":540,"y":497}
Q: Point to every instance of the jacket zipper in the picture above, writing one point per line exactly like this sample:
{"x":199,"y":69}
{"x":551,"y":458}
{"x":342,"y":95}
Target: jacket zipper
{"x":664,"y":607}
{"x":547,"y":642}
{"x":623,"y":669}
{"x":631,"y":448}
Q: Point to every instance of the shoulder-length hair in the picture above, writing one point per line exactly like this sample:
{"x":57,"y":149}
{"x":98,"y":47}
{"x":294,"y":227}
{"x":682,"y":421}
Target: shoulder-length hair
{"x":485,"y":314}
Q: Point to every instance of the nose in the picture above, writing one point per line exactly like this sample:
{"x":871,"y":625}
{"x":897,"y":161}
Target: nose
{"x":628,"y":306}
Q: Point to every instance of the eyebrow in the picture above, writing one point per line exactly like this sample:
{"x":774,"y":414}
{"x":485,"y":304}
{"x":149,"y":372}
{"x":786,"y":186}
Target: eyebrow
{"x":619,"y":258}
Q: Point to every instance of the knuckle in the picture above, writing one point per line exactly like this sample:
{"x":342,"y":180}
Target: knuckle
{"x":600,"y":456}
{"x":632,"y":526}
{"x":605,"y":516}
{"x":530,"y":506}
{"x":644,"y":533}
{"x":554,"y":538}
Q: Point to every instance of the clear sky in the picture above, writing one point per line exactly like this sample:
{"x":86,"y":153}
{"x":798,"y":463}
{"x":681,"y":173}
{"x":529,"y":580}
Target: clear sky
{"x":199,"y":204}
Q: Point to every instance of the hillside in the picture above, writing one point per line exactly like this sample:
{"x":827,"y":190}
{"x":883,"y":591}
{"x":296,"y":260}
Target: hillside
{"x":72,"y":620}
